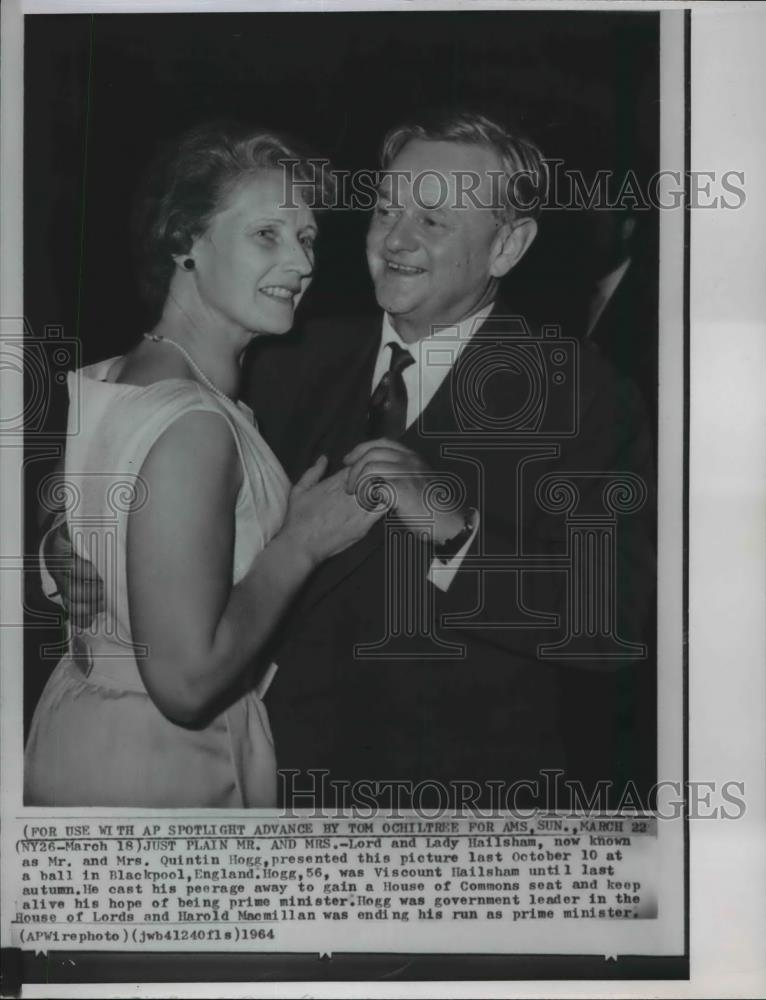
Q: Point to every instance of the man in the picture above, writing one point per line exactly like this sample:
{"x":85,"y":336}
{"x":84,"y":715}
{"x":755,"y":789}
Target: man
{"x":418,"y":655}
{"x":434,"y":651}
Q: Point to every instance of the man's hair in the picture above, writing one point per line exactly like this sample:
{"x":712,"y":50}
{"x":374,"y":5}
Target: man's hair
{"x":525,"y":184}
{"x":189,"y":182}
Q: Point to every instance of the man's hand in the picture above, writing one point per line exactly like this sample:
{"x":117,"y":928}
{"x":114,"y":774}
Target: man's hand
{"x":80,"y":587}
{"x":419,"y":492}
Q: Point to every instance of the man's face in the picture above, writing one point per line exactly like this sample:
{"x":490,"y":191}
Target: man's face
{"x":430,"y":250}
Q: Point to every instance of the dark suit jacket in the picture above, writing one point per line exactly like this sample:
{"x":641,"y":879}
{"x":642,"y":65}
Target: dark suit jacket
{"x":362,"y":690}
{"x":626,"y":332}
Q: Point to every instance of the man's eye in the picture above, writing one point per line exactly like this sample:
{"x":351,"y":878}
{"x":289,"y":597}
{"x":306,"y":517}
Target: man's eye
{"x":430,"y":222}
{"x":308,"y":242}
{"x":384,"y":211}
{"x":266,"y":234}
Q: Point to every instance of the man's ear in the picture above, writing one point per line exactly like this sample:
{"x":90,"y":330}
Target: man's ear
{"x":512,"y":241}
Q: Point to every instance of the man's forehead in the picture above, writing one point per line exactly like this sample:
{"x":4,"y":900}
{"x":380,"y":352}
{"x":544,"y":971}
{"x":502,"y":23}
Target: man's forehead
{"x":430,"y":189}
{"x":436,"y":171}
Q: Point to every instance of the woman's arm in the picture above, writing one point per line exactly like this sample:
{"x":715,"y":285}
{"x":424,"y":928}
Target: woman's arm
{"x":201,"y":633}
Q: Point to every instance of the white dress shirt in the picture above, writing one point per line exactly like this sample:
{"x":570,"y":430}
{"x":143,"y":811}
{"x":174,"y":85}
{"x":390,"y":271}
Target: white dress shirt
{"x":434,"y":358}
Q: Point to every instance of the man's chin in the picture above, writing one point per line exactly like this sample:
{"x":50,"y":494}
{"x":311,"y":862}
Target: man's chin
{"x":393,"y":303}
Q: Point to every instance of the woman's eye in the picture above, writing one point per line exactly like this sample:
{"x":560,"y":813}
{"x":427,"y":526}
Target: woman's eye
{"x":266,"y":234}
{"x":308,"y":242}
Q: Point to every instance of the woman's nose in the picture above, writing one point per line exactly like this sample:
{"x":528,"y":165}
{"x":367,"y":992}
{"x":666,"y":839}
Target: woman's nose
{"x":300,"y":260}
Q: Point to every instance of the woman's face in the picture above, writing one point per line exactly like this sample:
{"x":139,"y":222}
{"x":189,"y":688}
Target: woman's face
{"x":256,"y":258}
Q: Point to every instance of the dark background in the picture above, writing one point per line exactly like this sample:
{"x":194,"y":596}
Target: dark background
{"x":101,"y":91}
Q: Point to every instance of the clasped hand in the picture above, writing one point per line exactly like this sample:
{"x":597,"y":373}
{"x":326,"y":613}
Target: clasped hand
{"x":322,"y":519}
{"x":80,"y":587}
{"x":319,"y":517}
{"x":416,"y":490}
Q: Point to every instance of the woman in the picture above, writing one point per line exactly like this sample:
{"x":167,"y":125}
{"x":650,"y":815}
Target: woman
{"x":155,"y":706}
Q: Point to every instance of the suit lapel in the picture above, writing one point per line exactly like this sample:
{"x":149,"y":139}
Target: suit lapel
{"x":333,"y":422}
{"x":332,"y":416}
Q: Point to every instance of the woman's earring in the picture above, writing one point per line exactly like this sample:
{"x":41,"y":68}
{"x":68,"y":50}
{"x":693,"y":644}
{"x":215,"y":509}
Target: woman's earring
{"x":188,"y":264}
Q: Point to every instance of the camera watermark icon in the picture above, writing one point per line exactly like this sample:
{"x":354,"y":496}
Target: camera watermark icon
{"x":506,"y":382}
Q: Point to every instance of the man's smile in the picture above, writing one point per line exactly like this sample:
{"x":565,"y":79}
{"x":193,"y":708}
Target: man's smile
{"x":403,"y":269}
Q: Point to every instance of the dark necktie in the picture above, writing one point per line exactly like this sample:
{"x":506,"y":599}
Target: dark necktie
{"x":388,"y":406}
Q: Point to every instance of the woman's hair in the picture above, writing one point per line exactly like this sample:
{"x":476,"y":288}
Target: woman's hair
{"x":526,"y":173}
{"x":189,"y":182}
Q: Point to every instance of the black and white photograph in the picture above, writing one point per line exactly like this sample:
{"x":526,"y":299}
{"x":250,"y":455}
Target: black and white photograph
{"x":460,"y":327}
{"x":351,"y":424}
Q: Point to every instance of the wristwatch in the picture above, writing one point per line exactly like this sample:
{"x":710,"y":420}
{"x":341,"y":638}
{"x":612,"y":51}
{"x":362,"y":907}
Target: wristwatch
{"x":450,"y":547}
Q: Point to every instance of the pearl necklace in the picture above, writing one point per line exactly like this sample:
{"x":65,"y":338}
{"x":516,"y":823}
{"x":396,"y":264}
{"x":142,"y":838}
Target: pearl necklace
{"x":207,"y":382}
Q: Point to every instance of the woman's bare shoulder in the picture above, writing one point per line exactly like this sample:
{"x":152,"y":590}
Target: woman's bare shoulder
{"x":200,"y":438}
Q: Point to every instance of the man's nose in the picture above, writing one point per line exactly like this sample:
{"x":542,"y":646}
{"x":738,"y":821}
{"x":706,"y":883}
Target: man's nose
{"x":401,"y":235}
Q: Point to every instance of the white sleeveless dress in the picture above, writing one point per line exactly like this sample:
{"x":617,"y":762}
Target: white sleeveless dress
{"x":97,"y":738}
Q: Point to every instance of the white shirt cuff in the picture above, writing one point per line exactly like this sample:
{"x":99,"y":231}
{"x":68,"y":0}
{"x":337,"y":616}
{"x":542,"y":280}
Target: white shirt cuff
{"x":442,"y":574}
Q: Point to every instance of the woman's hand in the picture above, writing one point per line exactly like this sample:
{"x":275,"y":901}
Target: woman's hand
{"x":416,"y":491}
{"x":322,"y":517}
